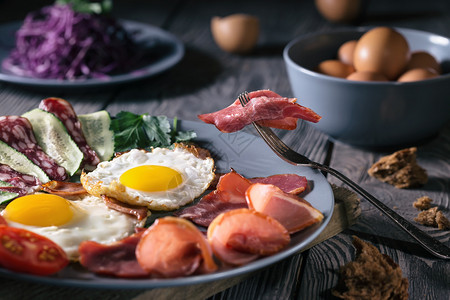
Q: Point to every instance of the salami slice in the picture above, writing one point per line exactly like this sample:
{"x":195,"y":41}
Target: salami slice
{"x":27,"y":183}
{"x":64,"y":111}
{"x":12,"y":189}
{"x":17,"y":132}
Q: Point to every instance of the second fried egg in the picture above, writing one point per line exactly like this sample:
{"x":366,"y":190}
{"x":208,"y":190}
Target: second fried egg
{"x":163,"y":179}
{"x":70,"y":222}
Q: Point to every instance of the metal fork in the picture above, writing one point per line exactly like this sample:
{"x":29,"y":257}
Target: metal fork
{"x":432,"y":245}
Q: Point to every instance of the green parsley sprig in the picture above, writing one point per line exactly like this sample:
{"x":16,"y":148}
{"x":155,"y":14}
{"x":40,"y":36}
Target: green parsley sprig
{"x":145,"y":132}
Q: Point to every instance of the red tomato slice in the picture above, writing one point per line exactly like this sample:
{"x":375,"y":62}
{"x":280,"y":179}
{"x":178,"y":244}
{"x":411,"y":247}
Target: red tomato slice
{"x":25,"y":251}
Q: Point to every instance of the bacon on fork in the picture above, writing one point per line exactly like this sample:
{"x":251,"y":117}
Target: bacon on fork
{"x":265,"y":106}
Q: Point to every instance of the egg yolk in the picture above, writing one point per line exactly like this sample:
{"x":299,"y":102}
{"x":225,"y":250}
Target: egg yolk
{"x":151,"y":178}
{"x":39,"y":210}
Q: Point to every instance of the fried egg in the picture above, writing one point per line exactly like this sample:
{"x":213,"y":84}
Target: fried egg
{"x":70,"y":222}
{"x":163,"y":179}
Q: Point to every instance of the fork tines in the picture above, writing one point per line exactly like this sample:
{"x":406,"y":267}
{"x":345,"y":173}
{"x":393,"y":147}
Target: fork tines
{"x":244,"y":98}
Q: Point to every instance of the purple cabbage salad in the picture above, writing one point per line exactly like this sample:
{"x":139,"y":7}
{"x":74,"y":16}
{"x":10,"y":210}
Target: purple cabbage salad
{"x":57,"y":42}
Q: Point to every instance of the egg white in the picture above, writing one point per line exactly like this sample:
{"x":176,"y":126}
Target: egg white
{"x":197,"y":174}
{"x":92,"y":221}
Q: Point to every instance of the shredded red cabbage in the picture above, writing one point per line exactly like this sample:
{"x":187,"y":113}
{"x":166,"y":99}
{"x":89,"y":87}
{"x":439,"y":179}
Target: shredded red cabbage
{"x":59,"y":43}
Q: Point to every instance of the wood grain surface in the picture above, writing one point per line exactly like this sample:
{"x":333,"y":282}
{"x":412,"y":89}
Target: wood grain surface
{"x":208,"y":79}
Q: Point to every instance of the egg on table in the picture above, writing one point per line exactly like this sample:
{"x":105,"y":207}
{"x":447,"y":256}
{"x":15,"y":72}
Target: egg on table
{"x":70,"y":222}
{"x":163,"y":179}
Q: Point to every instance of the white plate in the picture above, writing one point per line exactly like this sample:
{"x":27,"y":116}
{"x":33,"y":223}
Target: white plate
{"x":251,"y":157}
{"x":168,"y":51}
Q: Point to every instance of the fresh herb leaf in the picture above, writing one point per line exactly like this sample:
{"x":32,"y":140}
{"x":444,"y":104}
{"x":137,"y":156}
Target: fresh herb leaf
{"x":157,"y":129}
{"x":87,"y":6}
{"x":181,"y":136}
{"x":145,"y":131}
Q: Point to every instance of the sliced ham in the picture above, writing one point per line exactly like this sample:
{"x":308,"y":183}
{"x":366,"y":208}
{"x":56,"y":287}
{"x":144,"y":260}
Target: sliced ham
{"x":17,"y":132}
{"x":229,"y":195}
{"x":292,"y":211}
{"x":64,"y":188}
{"x":117,"y":259}
{"x":174,"y":247}
{"x":274,"y":110}
{"x":64,"y":111}
{"x":140,"y":212}
{"x":288,"y":183}
{"x":242,"y":235}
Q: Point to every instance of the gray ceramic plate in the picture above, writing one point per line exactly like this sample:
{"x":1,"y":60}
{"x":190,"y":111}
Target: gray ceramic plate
{"x":251,"y":157}
{"x":167,"y":49}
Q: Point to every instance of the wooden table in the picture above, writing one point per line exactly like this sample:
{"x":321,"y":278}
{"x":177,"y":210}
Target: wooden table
{"x":208,"y":79}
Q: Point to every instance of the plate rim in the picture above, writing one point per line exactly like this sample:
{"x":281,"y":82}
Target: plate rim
{"x":103,"y":282}
{"x":152,"y":69}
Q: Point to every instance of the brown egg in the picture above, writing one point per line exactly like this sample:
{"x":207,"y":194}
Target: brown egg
{"x":340,"y":11}
{"x":336,"y":68}
{"x":417,"y":75}
{"x":366,"y":76}
{"x":382,"y":50}
{"x":236,"y":33}
{"x":345,"y":52}
{"x":422,"y":59}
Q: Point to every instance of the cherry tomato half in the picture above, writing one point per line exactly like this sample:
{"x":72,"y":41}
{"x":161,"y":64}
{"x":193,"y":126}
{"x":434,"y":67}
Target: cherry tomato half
{"x":24,"y":251}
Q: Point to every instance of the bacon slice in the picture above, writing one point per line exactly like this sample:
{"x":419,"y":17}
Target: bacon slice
{"x":242,"y":235}
{"x":288,"y":183}
{"x":174,"y":247}
{"x":3,"y":221}
{"x":140,"y":212}
{"x":64,"y":111}
{"x":262,"y":107}
{"x":117,"y":259}
{"x":26,"y":183}
{"x":293,"y":212}
{"x":17,"y":132}
{"x":64,"y":188}
{"x":229,"y":195}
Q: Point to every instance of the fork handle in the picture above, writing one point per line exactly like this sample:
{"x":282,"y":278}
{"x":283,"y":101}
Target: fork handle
{"x":428,"y":242}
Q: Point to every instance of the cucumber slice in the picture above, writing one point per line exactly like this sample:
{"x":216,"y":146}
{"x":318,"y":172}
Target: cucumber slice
{"x":99,"y":136}
{"x":5,"y":196}
{"x":4,"y":183}
{"x":52,"y":136}
{"x":19,"y":162}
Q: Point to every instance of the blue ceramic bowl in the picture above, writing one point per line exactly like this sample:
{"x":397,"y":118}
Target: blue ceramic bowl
{"x":370,"y":114}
